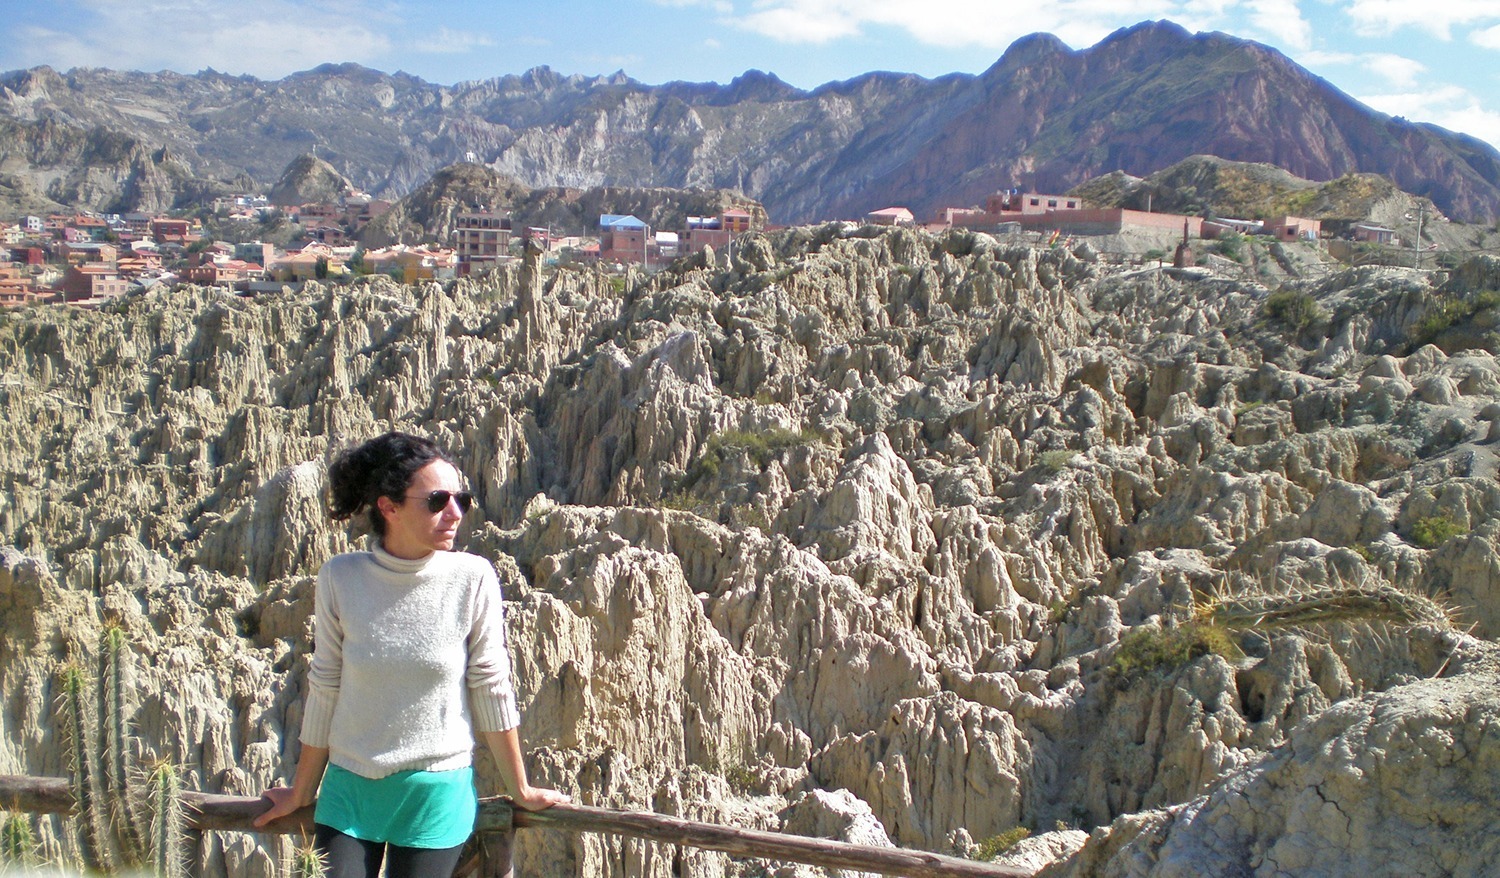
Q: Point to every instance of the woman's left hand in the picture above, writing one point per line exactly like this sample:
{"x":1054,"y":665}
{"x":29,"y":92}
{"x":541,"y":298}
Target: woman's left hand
{"x":540,"y":799}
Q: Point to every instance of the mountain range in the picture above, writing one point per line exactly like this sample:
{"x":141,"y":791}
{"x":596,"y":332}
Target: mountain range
{"x":1044,"y":117}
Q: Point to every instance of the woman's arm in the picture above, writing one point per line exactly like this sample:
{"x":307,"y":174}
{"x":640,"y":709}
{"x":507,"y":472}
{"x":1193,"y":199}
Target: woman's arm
{"x":505,"y":746}
{"x":304,"y":788}
{"x":324,"y":675}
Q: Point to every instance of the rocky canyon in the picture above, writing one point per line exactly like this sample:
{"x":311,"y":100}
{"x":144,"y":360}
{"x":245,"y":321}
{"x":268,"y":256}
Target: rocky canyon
{"x":865,"y":533}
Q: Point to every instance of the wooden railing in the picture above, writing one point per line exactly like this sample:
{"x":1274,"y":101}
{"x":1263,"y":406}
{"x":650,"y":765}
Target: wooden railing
{"x":497,"y":819}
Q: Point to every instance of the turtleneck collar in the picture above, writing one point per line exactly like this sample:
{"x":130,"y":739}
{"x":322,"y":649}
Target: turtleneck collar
{"x":400,"y":565}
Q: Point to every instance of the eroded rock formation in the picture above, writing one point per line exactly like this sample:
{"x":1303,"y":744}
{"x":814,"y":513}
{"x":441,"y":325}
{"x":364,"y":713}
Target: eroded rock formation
{"x":865,"y":531}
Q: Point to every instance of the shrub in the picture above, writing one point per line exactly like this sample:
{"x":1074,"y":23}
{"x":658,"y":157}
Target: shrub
{"x":750,"y":515}
{"x":759,"y":447}
{"x":1432,"y":531}
{"x":996,"y":845}
{"x":1437,"y":320}
{"x":1293,"y":309}
{"x":1446,"y":312}
{"x":1146,"y":650}
{"x":740,"y":778}
{"x":682,"y":501}
{"x":1231,"y":245}
{"x":1056,"y":460}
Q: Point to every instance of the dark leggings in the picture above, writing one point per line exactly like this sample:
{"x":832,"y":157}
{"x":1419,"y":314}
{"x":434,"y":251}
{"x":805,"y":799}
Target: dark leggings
{"x":348,"y":857}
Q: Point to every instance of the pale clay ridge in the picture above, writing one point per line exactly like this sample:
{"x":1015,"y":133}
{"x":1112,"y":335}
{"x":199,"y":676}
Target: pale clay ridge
{"x":893,"y":628}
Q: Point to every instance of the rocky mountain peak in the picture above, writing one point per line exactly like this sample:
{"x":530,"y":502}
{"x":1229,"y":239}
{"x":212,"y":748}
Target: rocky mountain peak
{"x":1038,"y":48}
{"x":1044,"y":116}
{"x":756,"y":86}
{"x":309,"y":179}
{"x":1152,"y":35}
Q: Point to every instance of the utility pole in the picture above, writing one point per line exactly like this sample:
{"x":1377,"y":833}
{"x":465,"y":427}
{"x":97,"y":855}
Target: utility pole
{"x":1416,"y":246}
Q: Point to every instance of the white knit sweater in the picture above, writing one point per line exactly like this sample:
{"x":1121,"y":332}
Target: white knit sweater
{"x":410,"y":661}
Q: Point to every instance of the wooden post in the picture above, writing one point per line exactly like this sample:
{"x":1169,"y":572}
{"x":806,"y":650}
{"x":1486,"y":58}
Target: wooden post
{"x":495,"y":838}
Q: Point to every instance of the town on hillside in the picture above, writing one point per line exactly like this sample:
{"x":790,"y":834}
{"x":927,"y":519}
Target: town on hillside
{"x":86,"y":258}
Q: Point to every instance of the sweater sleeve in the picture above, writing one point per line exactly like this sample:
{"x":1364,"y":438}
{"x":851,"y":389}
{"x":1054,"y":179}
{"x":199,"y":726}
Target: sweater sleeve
{"x":492,"y":694}
{"x":326,"y":670}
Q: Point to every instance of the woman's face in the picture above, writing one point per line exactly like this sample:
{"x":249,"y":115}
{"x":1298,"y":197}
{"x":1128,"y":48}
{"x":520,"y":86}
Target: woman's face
{"x":411,"y":530}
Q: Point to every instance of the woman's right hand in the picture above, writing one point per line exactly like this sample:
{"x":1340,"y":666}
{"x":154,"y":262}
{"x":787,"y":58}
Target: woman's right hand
{"x":283,"y":801}
{"x":539,"y":798}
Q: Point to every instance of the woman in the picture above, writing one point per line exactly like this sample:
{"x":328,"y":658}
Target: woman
{"x":410,"y":662}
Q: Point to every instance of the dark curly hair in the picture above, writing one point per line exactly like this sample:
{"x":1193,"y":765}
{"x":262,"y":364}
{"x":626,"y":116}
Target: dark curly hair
{"x":382,"y":467}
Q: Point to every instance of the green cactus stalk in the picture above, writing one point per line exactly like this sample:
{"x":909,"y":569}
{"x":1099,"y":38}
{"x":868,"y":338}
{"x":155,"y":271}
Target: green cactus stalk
{"x":90,"y":816}
{"x":112,"y":648}
{"x":114,"y":653}
{"x":17,"y":842}
{"x":307,"y":861}
{"x":168,"y":825}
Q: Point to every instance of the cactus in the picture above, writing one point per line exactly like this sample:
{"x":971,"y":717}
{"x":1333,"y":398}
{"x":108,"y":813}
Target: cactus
{"x":90,"y":819}
{"x":114,"y":652}
{"x":17,"y":843}
{"x":164,"y":790}
{"x":117,"y":823}
{"x":307,"y":861}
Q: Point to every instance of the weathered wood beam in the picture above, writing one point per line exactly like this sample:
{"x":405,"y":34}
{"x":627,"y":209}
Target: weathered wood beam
{"x":50,"y":795}
{"x":761,"y":844}
{"x":235,"y":813}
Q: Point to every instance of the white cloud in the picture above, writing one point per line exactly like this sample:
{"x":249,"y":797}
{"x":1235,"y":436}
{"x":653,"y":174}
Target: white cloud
{"x":1449,"y":106}
{"x":949,"y":23}
{"x":987,"y":24}
{"x":1473,"y":120}
{"x":601,"y":60}
{"x":268,"y":39}
{"x":722,"y":7}
{"x":1488,"y":38}
{"x":1397,"y":70}
{"x":451,"y":42}
{"x":1417,"y":104}
{"x":1282,"y":20}
{"x":1385,"y":17}
{"x":819,"y":21}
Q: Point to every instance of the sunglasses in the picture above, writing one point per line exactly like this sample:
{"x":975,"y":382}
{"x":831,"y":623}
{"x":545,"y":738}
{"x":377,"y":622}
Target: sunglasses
{"x":437,"y":501}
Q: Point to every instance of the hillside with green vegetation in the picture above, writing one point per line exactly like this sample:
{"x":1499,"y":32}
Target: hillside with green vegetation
{"x":1208,"y":185}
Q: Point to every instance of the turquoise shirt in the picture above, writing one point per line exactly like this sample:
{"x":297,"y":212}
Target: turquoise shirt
{"x":414,"y":809}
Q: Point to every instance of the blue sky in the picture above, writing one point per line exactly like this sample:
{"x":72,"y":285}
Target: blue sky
{"x":1430,"y":62}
